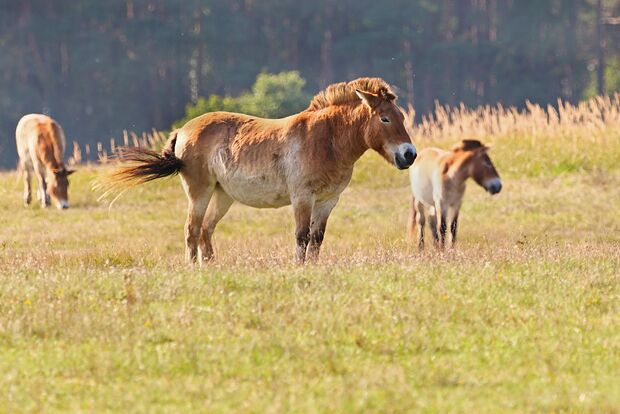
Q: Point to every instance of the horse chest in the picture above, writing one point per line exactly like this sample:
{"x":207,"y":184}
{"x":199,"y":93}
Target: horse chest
{"x":327,"y":184}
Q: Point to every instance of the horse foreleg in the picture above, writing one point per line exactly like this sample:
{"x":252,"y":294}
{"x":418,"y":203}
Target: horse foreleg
{"x":453,"y":227}
{"x":318,"y":224}
{"x":303,"y":213}
{"x":218,"y":206}
{"x":44,"y":198}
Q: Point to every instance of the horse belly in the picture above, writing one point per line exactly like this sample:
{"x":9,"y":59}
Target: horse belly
{"x":256,"y":190}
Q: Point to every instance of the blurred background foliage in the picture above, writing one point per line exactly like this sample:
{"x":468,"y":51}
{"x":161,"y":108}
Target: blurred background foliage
{"x":102,"y":67}
{"x":272,"y":96}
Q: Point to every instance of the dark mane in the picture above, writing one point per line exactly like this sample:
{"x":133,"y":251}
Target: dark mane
{"x":468,"y":145}
{"x":344,"y":92}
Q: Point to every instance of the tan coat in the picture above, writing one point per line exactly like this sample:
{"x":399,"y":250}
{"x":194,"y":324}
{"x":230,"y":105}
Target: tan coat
{"x":438,"y":180}
{"x":305,"y":160}
{"x":40,"y":145}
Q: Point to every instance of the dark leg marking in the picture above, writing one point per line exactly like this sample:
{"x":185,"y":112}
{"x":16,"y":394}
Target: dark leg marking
{"x":442,"y":231}
{"x":453,"y":228}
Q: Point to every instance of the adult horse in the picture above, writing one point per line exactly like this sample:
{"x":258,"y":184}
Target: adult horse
{"x":40,"y":144}
{"x":305,"y":160}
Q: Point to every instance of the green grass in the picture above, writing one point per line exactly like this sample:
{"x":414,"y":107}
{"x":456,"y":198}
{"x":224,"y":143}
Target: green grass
{"x":98,"y":312}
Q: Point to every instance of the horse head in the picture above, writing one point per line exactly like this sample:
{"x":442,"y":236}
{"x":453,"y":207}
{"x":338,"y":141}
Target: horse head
{"x":385,"y":131}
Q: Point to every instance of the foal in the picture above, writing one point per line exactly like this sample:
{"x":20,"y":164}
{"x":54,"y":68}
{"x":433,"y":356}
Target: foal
{"x":40,"y":144}
{"x":305,"y":160}
{"x":438,"y":184}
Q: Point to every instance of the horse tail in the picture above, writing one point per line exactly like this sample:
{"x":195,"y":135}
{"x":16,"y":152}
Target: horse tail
{"x":141,"y":165}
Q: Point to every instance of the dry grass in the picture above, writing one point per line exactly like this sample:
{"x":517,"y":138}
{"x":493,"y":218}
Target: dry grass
{"x":535,"y":141}
{"x":98,"y":312}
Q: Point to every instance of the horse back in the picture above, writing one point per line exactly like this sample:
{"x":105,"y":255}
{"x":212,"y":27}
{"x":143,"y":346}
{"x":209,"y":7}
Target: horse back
{"x":231,"y":137}
{"x":42,"y":138}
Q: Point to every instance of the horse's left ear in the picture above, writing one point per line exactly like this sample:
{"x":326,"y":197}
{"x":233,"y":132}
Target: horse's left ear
{"x":368,"y":98}
{"x":387,"y":95}
{"x":69,"y":172}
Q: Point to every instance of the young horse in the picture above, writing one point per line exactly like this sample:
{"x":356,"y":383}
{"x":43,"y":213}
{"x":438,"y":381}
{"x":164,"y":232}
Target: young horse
{"x":438,"y":184}
{"x":305,"y":160}
{"x":40,"y":145}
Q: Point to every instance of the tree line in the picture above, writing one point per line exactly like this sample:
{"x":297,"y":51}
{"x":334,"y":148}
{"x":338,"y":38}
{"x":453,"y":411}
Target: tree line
{"x":102,"y":67}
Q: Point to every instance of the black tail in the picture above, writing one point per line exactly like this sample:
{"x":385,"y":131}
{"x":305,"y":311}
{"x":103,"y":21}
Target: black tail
{"x":141,"y":165}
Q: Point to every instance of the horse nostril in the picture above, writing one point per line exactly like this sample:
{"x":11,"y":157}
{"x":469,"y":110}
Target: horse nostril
{"x":495,"y":188}
{"x":409,"y":156}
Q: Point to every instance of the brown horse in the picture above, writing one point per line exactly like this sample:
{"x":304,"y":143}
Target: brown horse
{"x":438,"y":185}
{"x":40,"y":145}
{"x":305,"y":160}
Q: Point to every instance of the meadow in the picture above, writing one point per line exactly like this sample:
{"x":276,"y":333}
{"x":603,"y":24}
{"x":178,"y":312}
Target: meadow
{"x":98,"y":311}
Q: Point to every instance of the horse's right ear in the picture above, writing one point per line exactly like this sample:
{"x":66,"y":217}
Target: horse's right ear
{"x":368,"y":98}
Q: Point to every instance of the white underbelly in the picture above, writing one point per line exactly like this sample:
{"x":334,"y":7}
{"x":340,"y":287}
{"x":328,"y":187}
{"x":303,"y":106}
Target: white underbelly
{"x":265,"y":190}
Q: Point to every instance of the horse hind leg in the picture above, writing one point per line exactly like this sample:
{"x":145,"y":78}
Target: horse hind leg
{"x":411,"y":223}
{"x":417,"y":220}
{"x":27,"y":177}
{"x":198,"y":200}
{"x":420,"y":223}
{"x":218,"y":207}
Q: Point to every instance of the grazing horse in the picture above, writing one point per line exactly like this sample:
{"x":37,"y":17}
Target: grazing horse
{"x":40,"y":145}
{"x":438,"y":184}
{"x":305,"y":160}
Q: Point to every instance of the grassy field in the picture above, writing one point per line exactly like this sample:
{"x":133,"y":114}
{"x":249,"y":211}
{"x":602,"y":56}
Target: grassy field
{"x":98,"y":312}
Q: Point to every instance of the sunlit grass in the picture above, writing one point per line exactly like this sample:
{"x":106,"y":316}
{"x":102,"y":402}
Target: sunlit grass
{"x":98,"y":312}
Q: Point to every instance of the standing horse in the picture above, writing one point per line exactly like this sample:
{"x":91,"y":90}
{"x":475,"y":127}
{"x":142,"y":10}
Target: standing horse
{"x":41,"y":144}
{"x":305,"y":160}
{"x":438,"y":185}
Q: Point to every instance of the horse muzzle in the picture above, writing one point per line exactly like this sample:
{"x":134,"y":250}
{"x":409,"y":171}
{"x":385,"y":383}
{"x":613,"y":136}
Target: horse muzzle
{"x":404,"y":156}
{"x":494,"y":186}
{"x":62,"y":205}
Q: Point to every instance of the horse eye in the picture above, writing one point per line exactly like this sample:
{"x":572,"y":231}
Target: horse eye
{"x":385,"y":120}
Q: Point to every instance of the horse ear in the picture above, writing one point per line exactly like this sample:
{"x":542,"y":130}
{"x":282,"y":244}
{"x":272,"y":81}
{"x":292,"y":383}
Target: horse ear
{"x":387,"y":95}
{"x":483,"y":148}
{"x":69,"y":172}
{"x":368,"y":98}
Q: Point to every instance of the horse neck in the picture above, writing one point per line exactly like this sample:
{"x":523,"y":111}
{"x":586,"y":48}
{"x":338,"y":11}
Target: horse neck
{"x":460,"y":163}
{"x":348,"y":126}
{"x":50,"y":152}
